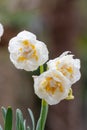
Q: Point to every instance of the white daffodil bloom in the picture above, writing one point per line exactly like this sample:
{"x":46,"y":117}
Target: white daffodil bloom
{"x":67,"y":65}
{"x":26,"y":52}
{"x":1,"y":30}
{"x":52,"y":86}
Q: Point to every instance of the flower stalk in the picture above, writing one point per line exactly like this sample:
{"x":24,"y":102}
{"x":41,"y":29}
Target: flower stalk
{"x":43,"y":116}
{"x":44,"y":110}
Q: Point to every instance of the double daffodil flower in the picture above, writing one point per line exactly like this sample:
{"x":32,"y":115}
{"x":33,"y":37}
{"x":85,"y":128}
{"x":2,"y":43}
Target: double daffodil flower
{"x":53,"y":85}
{"x":26,"y":52}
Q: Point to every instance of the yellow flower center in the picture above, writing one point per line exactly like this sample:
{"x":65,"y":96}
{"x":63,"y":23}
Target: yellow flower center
{"x":51,"y":85}
{"x":22,"y":58}
{"x":29,"y":51}
{"x":26,"y":42}
{"x":64,"y":69}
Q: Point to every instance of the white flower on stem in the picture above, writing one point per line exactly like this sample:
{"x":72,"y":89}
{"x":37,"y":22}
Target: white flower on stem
{"x":26,"y":52}
{"x":52,"y":86}
{"x":1,"y":30}
{"x":67,"y":65}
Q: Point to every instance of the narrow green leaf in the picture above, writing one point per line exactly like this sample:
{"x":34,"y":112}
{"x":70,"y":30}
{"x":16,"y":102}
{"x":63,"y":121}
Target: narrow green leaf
{"x":19,"y":120}
{"x":38,"y":127}
{"x":24,"y":124}
{"x":32,"y":118}
{"x":8,"y":119}
{"x":4,"y":111}
{"x":1,"y":128}
{"x":28,"y":128}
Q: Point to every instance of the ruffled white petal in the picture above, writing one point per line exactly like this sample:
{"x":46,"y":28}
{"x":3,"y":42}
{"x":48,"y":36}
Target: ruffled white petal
{"x":26,"y":35}
{"x":42,"y":52}
{"x":67,"y":65}
{"x":26,"y":52}
{"x":56,"y":95}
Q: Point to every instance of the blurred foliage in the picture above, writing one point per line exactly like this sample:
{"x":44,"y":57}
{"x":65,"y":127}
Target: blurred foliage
{"x":20,"y":18}
{"x":82,"y":50}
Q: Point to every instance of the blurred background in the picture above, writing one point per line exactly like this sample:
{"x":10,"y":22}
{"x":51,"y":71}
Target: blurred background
{"x":62,"y":25}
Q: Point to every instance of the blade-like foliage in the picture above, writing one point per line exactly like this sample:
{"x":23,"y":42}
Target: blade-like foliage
{"x":8,"y":119}
{"x":19,"y":120}
{"x":24,"y":124}
{"x":32,"y":118}
{"x":28,"y":128}
{"x":1,"y":128}
{"x":4,"y":111}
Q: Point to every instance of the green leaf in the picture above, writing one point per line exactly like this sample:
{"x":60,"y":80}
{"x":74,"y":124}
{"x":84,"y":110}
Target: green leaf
{"x":4,"y":111}
{"x":24,"y":124}
{"x":28,"y":128}
{"x":38,"y":127}
{"x":8,"y":119}
{"x":19,"y":120}
{"x":1,"y":128}
{"x":32,"y":118}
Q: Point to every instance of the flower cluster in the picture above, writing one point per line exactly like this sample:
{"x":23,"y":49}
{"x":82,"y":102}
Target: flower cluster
{"x":53,"y":85}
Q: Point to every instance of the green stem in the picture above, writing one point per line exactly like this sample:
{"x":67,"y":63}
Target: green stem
{"x":43,"y":116}
{"x":44,"y":111}
{"x":41,"y":69}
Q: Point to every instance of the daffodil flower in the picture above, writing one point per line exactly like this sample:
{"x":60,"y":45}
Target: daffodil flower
{"x":1,"y":30}
{"x":26,"y":52}
{"x":67,"y":65}
{"x":52,"y":86}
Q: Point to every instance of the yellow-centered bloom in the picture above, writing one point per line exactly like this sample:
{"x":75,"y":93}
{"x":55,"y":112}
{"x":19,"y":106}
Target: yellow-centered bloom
{"x":26,"y":52}
{"x":67,"y":65}
{"x":51,"y":86}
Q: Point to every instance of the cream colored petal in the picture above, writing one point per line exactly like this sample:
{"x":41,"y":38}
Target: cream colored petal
{"x":42,"y":52}
{"x":68,"y":66}
{"x":57,"y":96}
{"x":26,"y":52}
{"x":26,"y":35}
